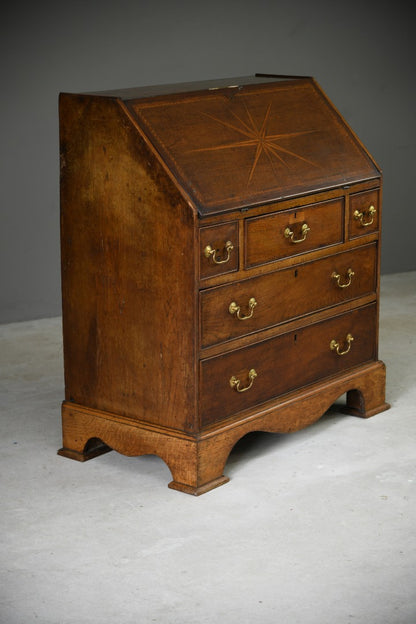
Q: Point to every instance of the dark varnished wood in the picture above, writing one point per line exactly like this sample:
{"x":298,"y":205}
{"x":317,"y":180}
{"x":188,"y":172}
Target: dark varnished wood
{"x":362,"y":202}
{"x":150,"y":178}
{"x":266,"y":240}
{"x":240,"y":146}
{"x":126,"y":237}
{"x":180,"y":88}
{"x":284,"y":363}
{"x":286,"y":294}
{"x":217,"y":236}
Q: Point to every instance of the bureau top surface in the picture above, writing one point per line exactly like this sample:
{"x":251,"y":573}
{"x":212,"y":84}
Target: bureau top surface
{"x":246,"y":141}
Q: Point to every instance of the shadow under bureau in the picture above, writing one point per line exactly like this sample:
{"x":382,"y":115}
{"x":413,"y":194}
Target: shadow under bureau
{"x":220,"y":269}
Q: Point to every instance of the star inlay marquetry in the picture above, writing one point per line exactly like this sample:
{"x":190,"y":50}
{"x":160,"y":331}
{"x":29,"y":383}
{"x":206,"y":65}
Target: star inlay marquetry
{"x":256,"y":136}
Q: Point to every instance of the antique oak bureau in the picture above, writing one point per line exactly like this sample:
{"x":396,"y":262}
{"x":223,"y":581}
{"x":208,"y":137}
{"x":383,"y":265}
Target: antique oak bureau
{"x":220,"y":269}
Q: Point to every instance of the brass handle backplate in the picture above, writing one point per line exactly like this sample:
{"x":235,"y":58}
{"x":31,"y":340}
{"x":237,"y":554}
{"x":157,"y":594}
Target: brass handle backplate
{"x":360,"y":216}
{"x":337,"y":277}
{"x":290,"y":234}
{"x":335,"y":346}
{"x":235,"y":309}
{"x":235,"y":382}
{"x":209,"y":252}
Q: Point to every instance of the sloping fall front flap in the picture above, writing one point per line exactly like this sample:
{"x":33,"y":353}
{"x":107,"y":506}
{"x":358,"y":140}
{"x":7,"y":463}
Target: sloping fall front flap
{"x":246,"y":145}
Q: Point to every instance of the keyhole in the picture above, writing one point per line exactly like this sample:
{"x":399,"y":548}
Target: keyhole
{"x":296,"y":272}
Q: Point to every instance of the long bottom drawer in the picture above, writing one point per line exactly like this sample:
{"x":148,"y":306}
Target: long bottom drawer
{"x":249,"y":376}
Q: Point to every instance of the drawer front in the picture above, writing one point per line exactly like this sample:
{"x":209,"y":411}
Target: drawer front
{"x":294,"y":232}
{"x":364,"y":213}
{"x":218,"y":249}
{"x":251,"y":305}
{"x":249,"y":376}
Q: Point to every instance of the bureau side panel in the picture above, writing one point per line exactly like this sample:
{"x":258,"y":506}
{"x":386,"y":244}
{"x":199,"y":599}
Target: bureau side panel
{"x":128,"y":271}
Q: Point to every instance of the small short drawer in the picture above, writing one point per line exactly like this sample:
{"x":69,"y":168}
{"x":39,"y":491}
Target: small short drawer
{"x":251,"y":305}
{"x":250,"y":376}
{"x":218,"y":249}
{"x":364,"y":213}
{"x":293,"y":232}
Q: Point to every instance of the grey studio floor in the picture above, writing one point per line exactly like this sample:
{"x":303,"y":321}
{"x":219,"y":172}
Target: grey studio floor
{"x":315,"y":527}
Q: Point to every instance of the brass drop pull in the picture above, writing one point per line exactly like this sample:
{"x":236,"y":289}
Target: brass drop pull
{"x":209,"y":252}
{"x":337,"y":277}
{"x":235,"y":383}
{"x":335,"y":346}
{"x":235,"y":309}
{"x":359,"y":216}
{"x":290,"y":234}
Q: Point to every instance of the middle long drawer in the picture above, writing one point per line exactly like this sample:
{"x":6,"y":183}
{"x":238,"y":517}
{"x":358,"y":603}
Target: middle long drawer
{"x":254,"y":304}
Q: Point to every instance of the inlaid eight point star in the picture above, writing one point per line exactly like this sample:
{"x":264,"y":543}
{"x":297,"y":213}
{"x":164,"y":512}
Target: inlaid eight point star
{"x":256,"y":135}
